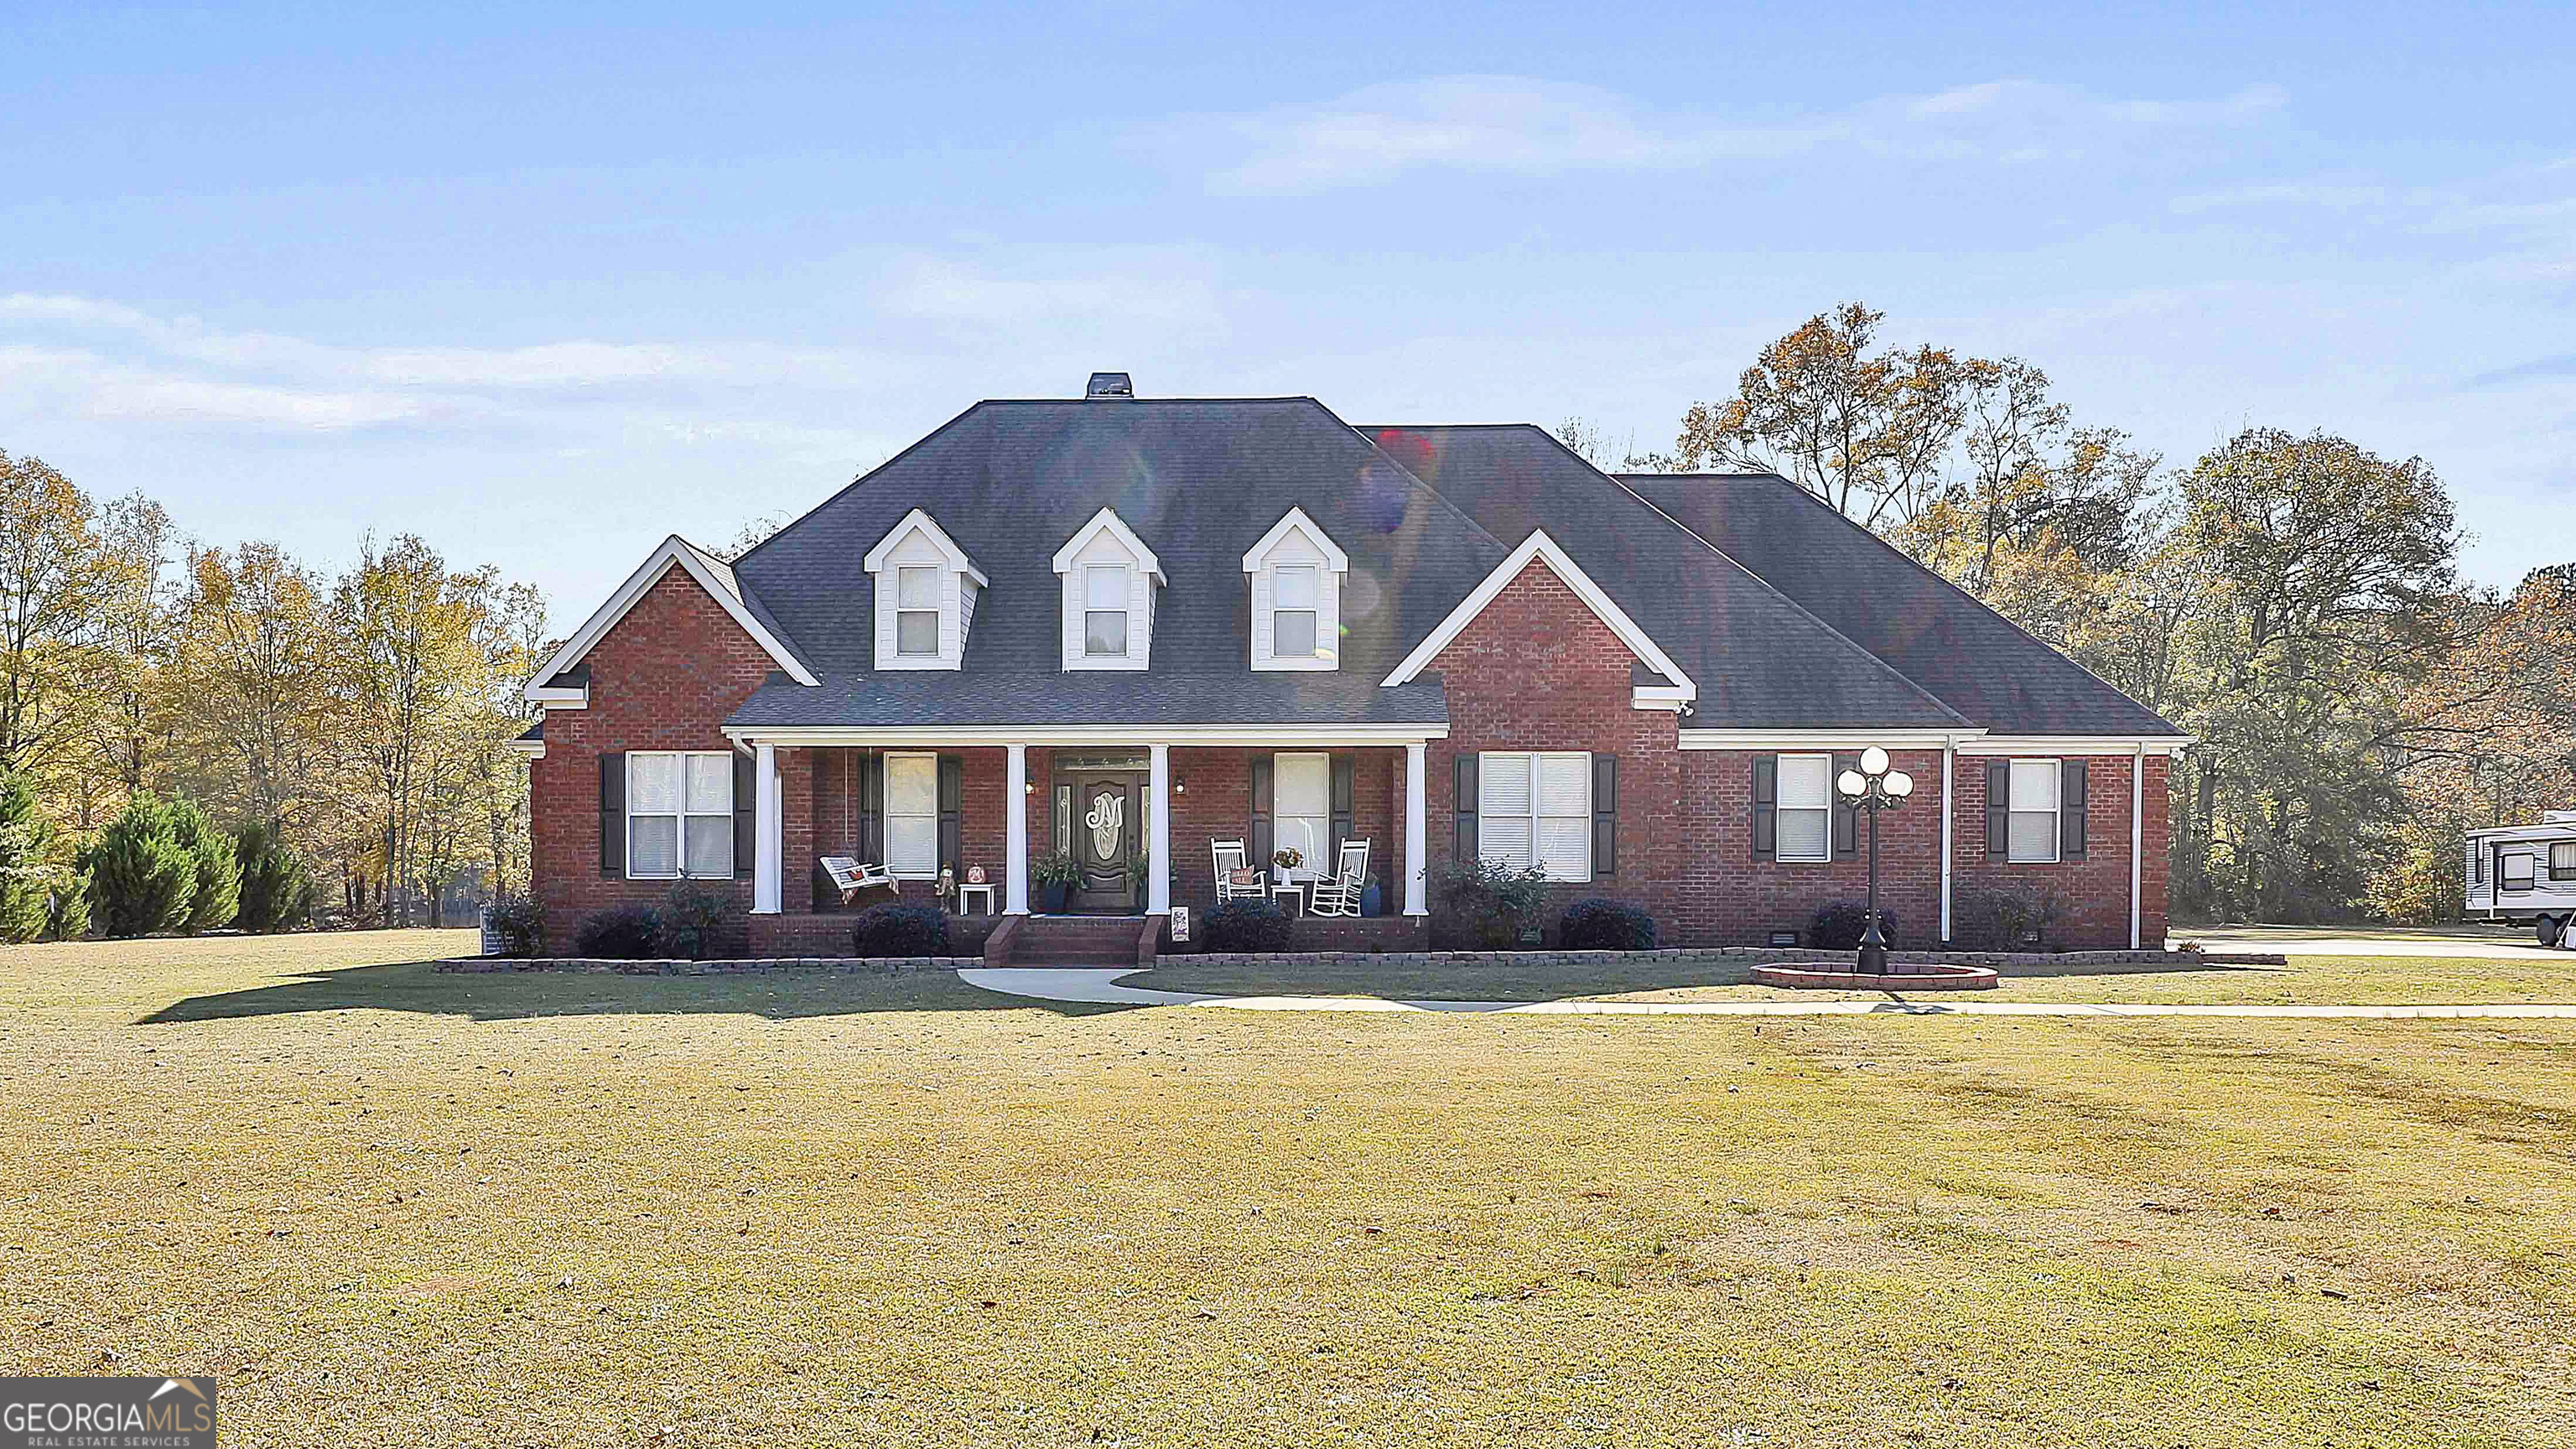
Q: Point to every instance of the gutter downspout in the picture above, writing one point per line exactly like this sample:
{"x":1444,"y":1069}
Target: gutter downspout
{"x":1949,"y":753}
{"x":2137,"y":843}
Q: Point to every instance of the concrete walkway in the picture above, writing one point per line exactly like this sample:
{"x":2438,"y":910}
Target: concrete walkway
{"x":2449,"y":942}
{"x":1098,"y":985}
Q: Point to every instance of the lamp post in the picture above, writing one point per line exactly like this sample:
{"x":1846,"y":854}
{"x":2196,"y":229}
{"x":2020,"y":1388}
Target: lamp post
{"x":1874,"y":787}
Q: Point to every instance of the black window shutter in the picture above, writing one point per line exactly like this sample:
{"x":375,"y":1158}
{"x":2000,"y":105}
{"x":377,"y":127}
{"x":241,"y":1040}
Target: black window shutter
{"x":1766,"y":806}
{"x":872,"y":808}
{"x":746,"y":815}
{"x":1998,"y":809}
{"x":1846,"y":817}
{"x":1605,"y":814}
{"x":1462,"y":813}
{"x":1257,"y":839}
{"x":612,"y":814}
{"x":2071,"y":811}
{"x":1343,"y":791}
{"x":952,"y":813}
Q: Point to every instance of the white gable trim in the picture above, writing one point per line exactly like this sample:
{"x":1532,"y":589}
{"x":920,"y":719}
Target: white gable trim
{"x":919,"y":520}
{"x":711,"y":575}
{"x":1544,"y":549}
{"x":1296,"y":522}
{"x":1108,"y":519}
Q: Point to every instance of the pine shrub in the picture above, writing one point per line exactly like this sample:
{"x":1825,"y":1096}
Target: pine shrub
{"x":28,"y":880}
{"x":277,"y":890}
{"x":142,"y":878}
{"x":218,"y":894}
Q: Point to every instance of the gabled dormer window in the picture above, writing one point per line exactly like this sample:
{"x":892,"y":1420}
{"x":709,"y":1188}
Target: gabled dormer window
{"x":1109,"y":577}
{"x":926,"y":588}
{"x":1296,"y":577}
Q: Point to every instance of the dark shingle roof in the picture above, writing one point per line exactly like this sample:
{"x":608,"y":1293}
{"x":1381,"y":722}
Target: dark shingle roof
{"x":1759,"y":660}
{"x":1200,"y":481}
{"x":1974,"y":659}
{"x":1057,"y":697}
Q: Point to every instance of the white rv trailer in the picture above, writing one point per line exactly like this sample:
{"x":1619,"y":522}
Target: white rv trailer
{"x":2526,"y":874}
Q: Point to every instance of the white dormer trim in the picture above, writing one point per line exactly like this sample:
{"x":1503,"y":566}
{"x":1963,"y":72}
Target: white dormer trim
{"x":919,"y":542}
{"x":711,"y":573}
{"x":1107,"y":542}
{"x":1538,"y":546}
{"x":1296,"y":542}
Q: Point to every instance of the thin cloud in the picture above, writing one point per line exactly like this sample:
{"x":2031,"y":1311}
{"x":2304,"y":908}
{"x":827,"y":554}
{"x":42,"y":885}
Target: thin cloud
{"x":2563,"y":365}
{"x":1517,"y":124}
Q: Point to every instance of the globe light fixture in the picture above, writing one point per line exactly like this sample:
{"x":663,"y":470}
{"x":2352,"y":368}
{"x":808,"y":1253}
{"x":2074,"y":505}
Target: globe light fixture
{"x":1873,"y":787}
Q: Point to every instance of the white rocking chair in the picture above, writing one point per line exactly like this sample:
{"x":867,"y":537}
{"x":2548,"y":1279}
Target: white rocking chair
{"x":1339,"y":894}
{"x":1230,"y":862}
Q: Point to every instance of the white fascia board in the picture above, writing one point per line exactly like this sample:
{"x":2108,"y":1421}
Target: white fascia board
{"x":529,"y":749}
{"x":1108,"y":519}
{"x":1658,"y":696}
{"x":576,"y":696}
{"x":1905,"y":739}
{"x":2076,"y":744}
{"x":1544,"y":549}
{"x":1296,"y":522}
{"x":1088,"y":734}
{"x":675,"y":550}
{"x":919,"y":520}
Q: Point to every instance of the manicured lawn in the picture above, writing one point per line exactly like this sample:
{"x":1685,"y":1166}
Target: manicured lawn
{"x":387,"y":1207}
{"x":2306,"y":980}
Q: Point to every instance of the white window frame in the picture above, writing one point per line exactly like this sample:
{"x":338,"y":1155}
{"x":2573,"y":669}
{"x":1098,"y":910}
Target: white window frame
{"x":917,"y":542}
{"x":1824,"y":806}
{"x":885,"y":792}
{"x":1539,"y":815}
{"x":2567,"y":872}
{"x":904,"y":574}
{"x":682,"y":816}
{"x":1313,"y":609}
{"x":2505,"y":862}
{"x":2056,"y":811}
{"x":1122,"y":580}
{"x":1316,"y":849}
{"x":1295,"y":542}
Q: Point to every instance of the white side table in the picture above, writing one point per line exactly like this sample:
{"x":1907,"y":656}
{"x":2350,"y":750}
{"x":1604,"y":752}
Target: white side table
{"x":968,"y":890}
{"x":1294,"y":891}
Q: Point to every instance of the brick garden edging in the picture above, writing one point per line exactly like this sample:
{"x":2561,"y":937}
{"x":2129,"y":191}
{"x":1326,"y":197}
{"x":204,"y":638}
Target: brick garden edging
{"x":2009,"y":963}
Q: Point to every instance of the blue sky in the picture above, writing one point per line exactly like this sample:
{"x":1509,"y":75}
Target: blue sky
{"x":546,"y":282}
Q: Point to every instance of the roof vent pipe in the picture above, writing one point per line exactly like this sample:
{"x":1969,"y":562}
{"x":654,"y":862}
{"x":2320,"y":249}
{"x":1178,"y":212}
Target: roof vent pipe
{"x":1109,"y":385}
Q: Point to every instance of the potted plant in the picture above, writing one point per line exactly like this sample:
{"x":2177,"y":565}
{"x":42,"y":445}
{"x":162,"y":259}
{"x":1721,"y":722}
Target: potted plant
{"x":1372,"y":899}
{"x":1056,"y":872}
{"x":1287,"y":858}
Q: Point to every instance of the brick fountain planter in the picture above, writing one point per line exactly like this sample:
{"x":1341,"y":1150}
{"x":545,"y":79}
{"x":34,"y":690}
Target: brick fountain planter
{"x":1930,"y":976}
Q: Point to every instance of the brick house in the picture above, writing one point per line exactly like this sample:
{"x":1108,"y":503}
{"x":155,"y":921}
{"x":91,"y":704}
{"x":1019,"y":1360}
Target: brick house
{"x":1127,"y":629}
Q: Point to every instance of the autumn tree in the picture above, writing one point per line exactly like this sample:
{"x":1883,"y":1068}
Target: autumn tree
{"x":50,"y":575}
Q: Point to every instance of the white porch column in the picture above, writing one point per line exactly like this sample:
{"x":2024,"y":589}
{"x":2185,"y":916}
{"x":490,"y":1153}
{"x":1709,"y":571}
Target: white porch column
{"x":1015,"y":842}
{"x":1158,"y":843}
{"x":1949,"y":753}
{"x":2137,"y":843}
{"x":769,"y":811}
{"x":1417,"y":824}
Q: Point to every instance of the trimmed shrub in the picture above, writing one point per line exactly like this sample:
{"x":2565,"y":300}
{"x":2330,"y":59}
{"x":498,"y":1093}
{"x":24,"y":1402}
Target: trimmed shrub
{"x":899,"y":930}
{"x":141,"y":878}
{"x":1247,"y":925}
{"x":620,"y":933}
{"x":1598,"y":924}
{"x":1999,"y":918}
{"x":693,"y":920}
{"x":520,"y":922}
{"x":218,"y":896}
{"x":1839,"y":927}
{"x":28,"y":881}
{"x":1491,"y":901}
{"x":276,"y":890}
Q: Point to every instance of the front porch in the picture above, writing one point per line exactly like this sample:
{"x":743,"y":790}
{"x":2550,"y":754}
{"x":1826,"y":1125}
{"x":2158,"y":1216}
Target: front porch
{"x":1105,"y":808}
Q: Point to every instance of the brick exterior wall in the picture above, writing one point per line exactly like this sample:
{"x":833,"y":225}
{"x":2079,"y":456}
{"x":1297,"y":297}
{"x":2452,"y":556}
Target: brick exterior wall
{"x":668,"y":675}
{"x":664,"y":679}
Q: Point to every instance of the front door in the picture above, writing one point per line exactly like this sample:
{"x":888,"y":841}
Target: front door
{"x":1108,"y":819}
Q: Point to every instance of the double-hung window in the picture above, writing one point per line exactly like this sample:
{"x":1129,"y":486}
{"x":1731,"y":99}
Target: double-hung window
{"x":1806,"y":812}
{"x":679,"y":815}
{"x":916,"y":616}
{"x":2033,"y":828}
{"x":1297,"y":592}
{"x":2562,"y":862}
{"x":912,"y":816}
{"x":1104,"y":611}
{"x":1536,"y":810}
{"x":2515,"y":873}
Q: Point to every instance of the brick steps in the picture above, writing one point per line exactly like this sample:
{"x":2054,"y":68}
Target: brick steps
{"x":1076,"y":941}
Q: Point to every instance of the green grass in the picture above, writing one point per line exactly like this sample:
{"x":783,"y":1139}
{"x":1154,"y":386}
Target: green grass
{"x":389,"y":1207}
{"x":2307,"y":980}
